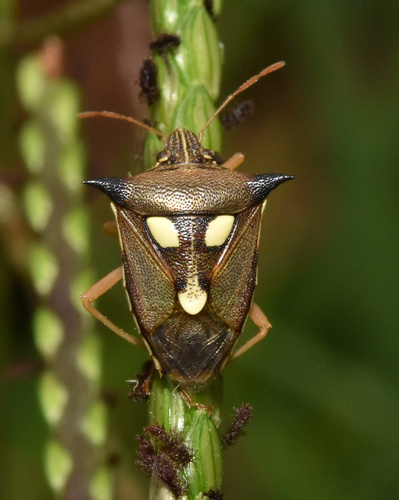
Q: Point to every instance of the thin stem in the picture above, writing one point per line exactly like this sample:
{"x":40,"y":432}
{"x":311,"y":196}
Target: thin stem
{"x":188,"y":81}
{"x":59,"y":261}
{"x":57,"y":22}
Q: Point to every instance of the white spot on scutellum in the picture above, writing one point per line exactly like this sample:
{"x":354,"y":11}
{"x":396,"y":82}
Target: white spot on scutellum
{"x":193,"y":298}
{"x":163,"y":231}
{"x":219,"y":230}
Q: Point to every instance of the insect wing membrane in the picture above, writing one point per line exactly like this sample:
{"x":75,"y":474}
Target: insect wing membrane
{"x":149,"y":285}
{"x":234,"y":279}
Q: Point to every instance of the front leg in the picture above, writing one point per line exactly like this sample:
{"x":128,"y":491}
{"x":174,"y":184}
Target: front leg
{"x":260,"y":320}
{"x":102,"y":286}
{"x":234,"y":162}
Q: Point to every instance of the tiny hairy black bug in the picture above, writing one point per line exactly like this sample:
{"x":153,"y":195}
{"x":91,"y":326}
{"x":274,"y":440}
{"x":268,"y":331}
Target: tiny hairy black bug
{"x":242,"y":416}
{"x":164,"y":459}
{"x":237,"y":115}
{"x":189,"y":231}
{"x":148,"y":82}
{"x":214,"y":494}
{"x":165,"y":42}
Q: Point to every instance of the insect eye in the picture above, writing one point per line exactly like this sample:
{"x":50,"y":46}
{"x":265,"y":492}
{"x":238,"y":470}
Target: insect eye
{"x":219,"y":230}
{"x":207,"y":154}
{"x":163,"y":156}
{"x":163,"y":231}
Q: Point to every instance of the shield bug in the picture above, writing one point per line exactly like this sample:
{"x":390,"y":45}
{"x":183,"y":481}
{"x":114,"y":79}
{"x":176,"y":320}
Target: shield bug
{"x":189,"y":230}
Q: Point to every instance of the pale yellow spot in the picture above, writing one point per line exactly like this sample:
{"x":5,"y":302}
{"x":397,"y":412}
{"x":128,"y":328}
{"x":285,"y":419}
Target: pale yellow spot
{"x":76,"y":230}
{"x":101,"y":485}
{"x":38,"y":205}
{"x":88,"y":357}
{"x":193,"y":298}
{"x":219,"y":230}
{"x":58,"y":465}
{"x":53,"y":397}
{"x":95,"y":423}
{"x":48,"y":330}
{"x":44,"y":268}
{"x":163,"y":231}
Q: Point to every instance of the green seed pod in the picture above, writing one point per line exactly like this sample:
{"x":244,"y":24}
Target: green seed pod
{"x":201,"y":52}
{"x":152,"y":146}
{"x":194,"y":109}
{"x":172,"y":90}
{"x":205,"y":472}
{"x":166,"y":15}
{"x":167,"y":406}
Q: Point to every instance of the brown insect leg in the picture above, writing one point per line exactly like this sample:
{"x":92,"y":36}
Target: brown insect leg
{"x":99,"y":289}
{"x":190,"y":402}
{"x":142,"y":388}
{"x":234,"y":161}
{"x":260,"y":320}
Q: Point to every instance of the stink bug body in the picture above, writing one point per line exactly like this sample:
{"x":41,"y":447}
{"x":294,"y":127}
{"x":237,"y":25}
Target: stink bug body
{"x":189,"y":231}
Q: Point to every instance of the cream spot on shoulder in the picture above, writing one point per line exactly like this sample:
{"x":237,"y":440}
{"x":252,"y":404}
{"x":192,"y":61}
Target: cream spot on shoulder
{"x":163,"y":231}
{"x":218,"y":230}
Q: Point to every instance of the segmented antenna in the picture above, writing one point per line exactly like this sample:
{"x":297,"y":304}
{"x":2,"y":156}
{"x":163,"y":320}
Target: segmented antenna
{"x":117,"y":116}
{"x":244,"y":86}
{"x":240,"y":89}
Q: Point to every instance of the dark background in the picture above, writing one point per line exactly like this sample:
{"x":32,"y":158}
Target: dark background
{"x":324,"y":385}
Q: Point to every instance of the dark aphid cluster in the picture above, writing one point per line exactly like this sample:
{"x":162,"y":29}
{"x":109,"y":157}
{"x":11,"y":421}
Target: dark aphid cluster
{"x":208,"y":4}
{"x":161,"y":466}
{"x":237,"y":115}
{"x":171,"y":444}
{"x":164,"y":455}
{"x":214,"y":494}
{"x":165,"y":42}
{"x":148,"y":81}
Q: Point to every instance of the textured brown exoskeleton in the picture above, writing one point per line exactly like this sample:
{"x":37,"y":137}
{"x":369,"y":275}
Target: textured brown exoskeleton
{"x":189,"y":231}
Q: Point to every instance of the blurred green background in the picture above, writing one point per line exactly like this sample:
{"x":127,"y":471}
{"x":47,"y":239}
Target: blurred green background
{"x":324,"y":385}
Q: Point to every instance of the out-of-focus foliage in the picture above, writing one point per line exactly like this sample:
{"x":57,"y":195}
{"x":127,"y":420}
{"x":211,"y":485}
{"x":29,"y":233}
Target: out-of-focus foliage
{"x":324,"y":385}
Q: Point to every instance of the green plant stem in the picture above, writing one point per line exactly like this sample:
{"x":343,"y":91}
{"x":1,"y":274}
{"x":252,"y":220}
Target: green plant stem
{"x":188,"y":79}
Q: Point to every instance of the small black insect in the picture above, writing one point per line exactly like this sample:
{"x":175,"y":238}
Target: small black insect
{"x":214,"y":494}
{"x":165,"y":459}
{"x":148,"y":81}
{"x":171,"y":444}
{"x":242,"y":416}
{"x":165,"y":42}
{"x":208,"y":4}
{"x":237,"y":115}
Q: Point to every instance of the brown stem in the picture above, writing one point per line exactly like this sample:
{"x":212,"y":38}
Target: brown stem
{"x":58,"y":22}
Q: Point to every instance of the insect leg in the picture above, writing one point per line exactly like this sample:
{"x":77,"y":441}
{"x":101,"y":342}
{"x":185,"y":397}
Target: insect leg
{"x":260,"y":320}
{"x":142,"y":388}
{"x":234,"y":161}
{"x":99,"y":289}
{"x":190,"y":402}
